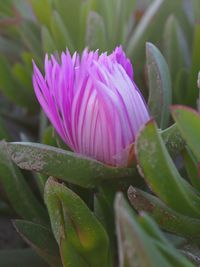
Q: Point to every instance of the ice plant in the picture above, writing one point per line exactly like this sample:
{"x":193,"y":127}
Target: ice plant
{"x":93,"y":103}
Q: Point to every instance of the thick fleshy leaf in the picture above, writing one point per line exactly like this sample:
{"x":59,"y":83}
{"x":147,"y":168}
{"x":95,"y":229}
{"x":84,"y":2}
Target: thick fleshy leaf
{"x":8,"y":86}
{"x":5,"y":8}
{"x":60,"y":33}
{"x":174,"y":257}
{"x":10,"y":48}
{"x":48,"y":137}
{"x":42,"y":10}
{"x":188,"y":122}
{"x":22,"y":72}
{"x":95,"y":32}
{"x":167,"y":218}
{"x":176,"y":49}
{"x":30,"y":34}
{"x":150,"y":25}
{"x":20,"y":258}
{"x":48,"y":43}
{"x":196,"y":5}
{"x":161,"y":174}
{"x":134,"y":245}
{"x":103,"y":209}
{"x":106,"y":9}
{"x":173,"y":140}
{"x":74,"y":225}
{"x":86,"y":8}
{"x":192,"y":85}
{"x":17,"y":190}
{"x":180,"y":86}
{"x":148,"y":224}
{"x":198,"y":80}
{"x":70,"y":14}
{"x":122,"y":11}
{"x":191,"y":166}
{"x":63,"y":164}
{"x":41,"y":240}
{"x":159,"y":85}
{"x":70,"y":257}
{"x":162,"y":244}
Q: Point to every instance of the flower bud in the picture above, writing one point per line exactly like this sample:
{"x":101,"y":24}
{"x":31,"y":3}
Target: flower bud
{"x":93,"y":103}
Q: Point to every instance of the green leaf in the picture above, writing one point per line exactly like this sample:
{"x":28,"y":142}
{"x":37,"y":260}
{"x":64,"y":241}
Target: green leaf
{"x":180,"y":86}
{"x":192,"y":85}
{"x":20,"y":72}
{"x":173,"y":140}
{"x":23,"y":8}
{"x":5,"y":8}
{"x":159,"y":85}
{"x":73,"y":222}
{"x":106,"y":9}
{"x":161,"y":174}
{"x":43,"y":124}
{"x":63,"y":164}
{"x":196,"y":5}
{"x":27,"y":58}
{"x":188,"y":122}
{"x":165,"y":247}
{"x":95,"y":32}
{"x":10,"y":48}
{"x":40,"y":239}
{"x":60,"y":33}
{"x":123,"y":10}
{"x":135,"y":247}
{"x":103,"y":209}
{"x":167,"y":218}
{"x":70,"y":257}
{"x":42,"y":10}
{"x":49,"y":136}
{"x":191,"y":167}
{"x":87,"y":7}
{"x":17,"y":190}
{"x":48,"y":43}
{"x":20,"y":258}
{"x":150,"y":25}
{"x":174,"y":257}
{"x":69,"y":12}
{"x":8,"y":85}
{"x":30,"y":34}
{"x":176,"y":49}
{"x":146,"y":221}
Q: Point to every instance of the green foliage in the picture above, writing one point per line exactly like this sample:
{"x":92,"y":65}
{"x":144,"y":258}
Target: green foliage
{"x":75,"y":227}
{"x":63,"y":164}
{"x":176,"y":48}
{"x":95,"y":33}
{"x":161,"y":174}
{"x":140,"y":241}
{"x":20,"y":258}
{"x":188,"y":122}
{"x":159,"y":86}
{"x":18,"y":191}
{"x":75,"y":221}
{"x":169,"y":219}
{"x":40,"y":239}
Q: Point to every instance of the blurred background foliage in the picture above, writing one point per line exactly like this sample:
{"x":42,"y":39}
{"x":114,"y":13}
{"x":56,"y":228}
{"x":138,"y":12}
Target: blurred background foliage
{"x":162,"y":38}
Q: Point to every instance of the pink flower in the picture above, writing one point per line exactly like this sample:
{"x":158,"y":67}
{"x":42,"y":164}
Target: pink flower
{"x":93,"y":103}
